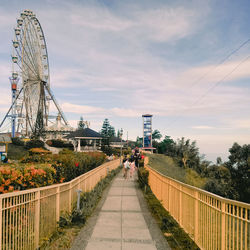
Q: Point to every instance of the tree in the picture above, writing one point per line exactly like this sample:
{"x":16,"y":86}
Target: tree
{"x":111,"y":131}
{"x":220,"y":182}
{"x":118,"y":133}
{"x":166,"y":146}
{"x":81,"y":124}
{"x":107,"y":131}
{"x":239,"y":167}
{"x":156,"y":135}
{"x":138,"y":142}
{"x":105,"y":128}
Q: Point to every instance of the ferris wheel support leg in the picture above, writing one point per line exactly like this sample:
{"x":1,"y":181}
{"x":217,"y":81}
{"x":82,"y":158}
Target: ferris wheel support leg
{"x":7,"y":114}
{"x":56,"y":104}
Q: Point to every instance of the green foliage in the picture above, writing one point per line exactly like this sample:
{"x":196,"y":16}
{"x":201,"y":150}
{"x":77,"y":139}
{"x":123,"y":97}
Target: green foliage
{"x":70,"y":165}
{"x":143,"y":177}
{"x":138,"y":142}
{"x":194,"y":179}
{"x":239,"y":167}
{"x":17,"y":141}
{"x":176,"y":236}
{"x":156,"y":135}
{"x":16,"y":152}
{"x":166,"y":146}
{"x":81,"y":124}
{"x":167,"y":166}
{"x":88,"y":202}
{"x":60,"y":144}
{"x":34,"y":144}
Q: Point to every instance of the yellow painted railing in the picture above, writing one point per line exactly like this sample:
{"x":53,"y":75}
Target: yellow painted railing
{"x":27,"y":217}
{"x":213,"y":222}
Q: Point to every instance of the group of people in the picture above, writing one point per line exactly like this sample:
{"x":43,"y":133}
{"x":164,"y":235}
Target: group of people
{"x":131,"y":164}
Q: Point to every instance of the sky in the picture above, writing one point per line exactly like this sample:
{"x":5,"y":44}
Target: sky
{"x":185,"y":62}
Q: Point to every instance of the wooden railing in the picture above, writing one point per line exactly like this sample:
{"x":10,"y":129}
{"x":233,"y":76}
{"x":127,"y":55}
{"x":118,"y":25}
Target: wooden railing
{"x":213,"y":222}
{"x":27,"y":217}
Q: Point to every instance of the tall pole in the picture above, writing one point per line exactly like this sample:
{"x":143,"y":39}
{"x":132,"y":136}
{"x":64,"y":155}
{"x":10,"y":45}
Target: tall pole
{"x":121,"y":132}
{"x":13,"y":80}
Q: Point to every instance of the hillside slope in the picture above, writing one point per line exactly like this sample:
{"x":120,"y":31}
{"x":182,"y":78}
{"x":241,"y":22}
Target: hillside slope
{"x":167,"y":166}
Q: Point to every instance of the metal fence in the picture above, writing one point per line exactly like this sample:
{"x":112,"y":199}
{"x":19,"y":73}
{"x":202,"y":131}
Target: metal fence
{"x":213,"y":222}
{"x":30,"y":216}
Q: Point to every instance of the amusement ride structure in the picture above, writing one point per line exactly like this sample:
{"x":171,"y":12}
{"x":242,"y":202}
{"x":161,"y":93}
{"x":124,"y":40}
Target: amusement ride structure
{"x":30,"y":80}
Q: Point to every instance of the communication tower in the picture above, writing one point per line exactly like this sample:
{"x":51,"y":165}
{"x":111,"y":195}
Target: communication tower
{"x":147,"y":131}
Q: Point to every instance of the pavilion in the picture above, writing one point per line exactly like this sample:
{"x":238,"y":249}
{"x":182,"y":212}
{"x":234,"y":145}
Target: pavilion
{"x":85,"y":140}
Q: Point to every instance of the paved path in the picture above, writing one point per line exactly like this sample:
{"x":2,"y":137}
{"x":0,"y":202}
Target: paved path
{"x":123,"y":222}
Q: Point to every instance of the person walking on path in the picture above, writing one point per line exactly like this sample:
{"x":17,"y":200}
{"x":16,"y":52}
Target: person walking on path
{"x":127,"y":168}
{"x":132,"y":169}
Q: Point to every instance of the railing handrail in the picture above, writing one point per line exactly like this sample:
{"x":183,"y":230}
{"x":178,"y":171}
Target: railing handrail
{"x":246,"y":205}
{"x":28,"y":216}
{"x":212,"y":221}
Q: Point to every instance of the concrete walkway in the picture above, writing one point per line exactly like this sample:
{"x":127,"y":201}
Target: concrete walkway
{"x":120,"y":223}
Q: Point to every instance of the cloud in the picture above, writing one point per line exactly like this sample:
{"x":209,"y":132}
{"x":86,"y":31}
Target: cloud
{"x":166,"y":24}
{"x":125,"y":112}
{"x":98,"y":18}
{"x":239,"y":123}
{"x":81,"y":109}
{"x":202,"y":127}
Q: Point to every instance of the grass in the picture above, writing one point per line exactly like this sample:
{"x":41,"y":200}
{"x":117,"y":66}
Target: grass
{"x":167,"y":166}
{"x":16,"y":152}
{"x":177,"y":238}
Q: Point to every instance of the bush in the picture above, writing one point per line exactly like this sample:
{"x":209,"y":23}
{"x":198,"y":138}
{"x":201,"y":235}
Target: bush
{"x":60,"y":144}
{"x":17,"y":141}
{"x":143,"y":177}
{"x":88,"y":202}
{"x":176,"y":236}
{"x":26,"y":176}
{"x":49,"y":169}
{"x":34,"y":144}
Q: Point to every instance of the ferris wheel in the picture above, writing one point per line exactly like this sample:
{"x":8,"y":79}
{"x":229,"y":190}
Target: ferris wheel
{"x":31,"y":98}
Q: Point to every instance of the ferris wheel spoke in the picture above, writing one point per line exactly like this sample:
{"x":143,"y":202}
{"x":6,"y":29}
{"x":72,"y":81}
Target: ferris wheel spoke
{"x":28,"y":63}
{"x":31,"y":47}
{"x":24,"y":61}
{"x":26,"y":53}
{"x":22,"y":47}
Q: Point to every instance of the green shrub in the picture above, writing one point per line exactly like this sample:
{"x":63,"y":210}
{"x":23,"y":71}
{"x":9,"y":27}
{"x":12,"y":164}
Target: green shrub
{"x":143,"y":177}
{"x":88,"y":202}
{"x":176,"y":236}
{"x":60,"y":144}
{"x":16,"y":152}
{"x":17,"y":141}
{"x":34,"y":144}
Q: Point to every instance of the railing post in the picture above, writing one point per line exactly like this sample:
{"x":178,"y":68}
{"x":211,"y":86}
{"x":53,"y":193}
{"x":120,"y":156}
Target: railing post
{"x":1,"y":221}
{"x":169,"y":195}
{"x":180,"y":205}
{"x":57,"y":203}
{"x":70,"y":196}
{"x":196,"y":217}
{"x":223,"y":221}
{"x":37,"y":219}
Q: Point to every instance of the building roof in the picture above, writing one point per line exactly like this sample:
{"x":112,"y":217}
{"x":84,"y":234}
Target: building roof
{"x":84,"y":133}
{"x":5,"y":137}
{"x":115,"y":139}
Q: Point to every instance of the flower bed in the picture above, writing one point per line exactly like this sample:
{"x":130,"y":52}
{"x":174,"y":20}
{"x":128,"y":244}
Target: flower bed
{"x":38,"y":170}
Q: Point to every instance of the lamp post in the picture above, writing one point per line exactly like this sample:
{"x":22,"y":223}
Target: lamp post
{"x":121,"y":132}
